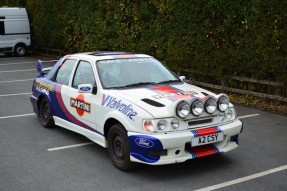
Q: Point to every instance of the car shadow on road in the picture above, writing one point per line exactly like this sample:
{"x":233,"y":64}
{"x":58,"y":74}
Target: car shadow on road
{"x":189,"y":168}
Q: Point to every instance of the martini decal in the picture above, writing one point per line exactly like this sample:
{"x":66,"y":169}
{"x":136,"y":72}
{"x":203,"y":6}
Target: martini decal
{"x":80,"y":105}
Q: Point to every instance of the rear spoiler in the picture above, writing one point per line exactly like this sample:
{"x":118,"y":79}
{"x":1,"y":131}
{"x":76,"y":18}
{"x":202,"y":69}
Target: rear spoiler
{"x":44,"y":71}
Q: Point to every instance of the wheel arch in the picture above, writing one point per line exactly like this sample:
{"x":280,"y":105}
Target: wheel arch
{"x":39,"y":103}
{"x":40,"y":98}
{"x":18,"y":44}
{"x":108,"y":124}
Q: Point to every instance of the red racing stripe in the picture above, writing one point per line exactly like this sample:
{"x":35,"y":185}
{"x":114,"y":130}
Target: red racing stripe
{"x":59,"y":97}
{"x":164,"y":89}
{"x":68,"y":114}
{"x":204,"y":150}
{"x":169,"y":90}
{"x":206,"y":131}
{"x":124,"y":56}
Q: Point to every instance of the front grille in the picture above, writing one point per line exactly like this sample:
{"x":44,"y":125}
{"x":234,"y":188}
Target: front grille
{"x":158,"y":152}
{"x":199,"y":122}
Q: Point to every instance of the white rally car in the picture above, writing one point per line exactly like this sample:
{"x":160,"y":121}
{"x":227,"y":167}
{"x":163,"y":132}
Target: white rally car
{"x":136,"y":107}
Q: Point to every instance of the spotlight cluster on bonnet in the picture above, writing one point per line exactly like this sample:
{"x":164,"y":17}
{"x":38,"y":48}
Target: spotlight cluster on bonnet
{"x":197,"y":106}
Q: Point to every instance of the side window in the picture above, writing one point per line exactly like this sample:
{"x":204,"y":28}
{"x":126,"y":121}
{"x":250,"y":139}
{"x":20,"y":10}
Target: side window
{"x":2,"y":29}
{"x":84,"y":75}
{"x":65,"y":71}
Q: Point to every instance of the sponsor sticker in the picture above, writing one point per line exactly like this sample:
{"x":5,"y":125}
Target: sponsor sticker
{"x":118,"y":104}
{"x":44,"y":87}
{"x":109,"y":61}
{"x":140,"y":59}
{"x":180,"y":93}
{"x":171,"y":93}
{"x":85,"y":89}
{"x":144,"y":142}
{"x":80,"y":105}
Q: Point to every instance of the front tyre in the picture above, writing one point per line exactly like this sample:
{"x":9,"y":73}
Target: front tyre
{"x":46,"y":119}
{"x":118,"y":147}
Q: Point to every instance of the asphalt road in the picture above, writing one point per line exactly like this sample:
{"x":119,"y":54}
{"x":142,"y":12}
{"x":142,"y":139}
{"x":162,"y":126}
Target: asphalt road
{"x":260,"y":163}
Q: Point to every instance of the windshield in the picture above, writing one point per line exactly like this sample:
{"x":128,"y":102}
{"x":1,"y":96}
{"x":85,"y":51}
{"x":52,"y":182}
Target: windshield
{"x":120,"y":73}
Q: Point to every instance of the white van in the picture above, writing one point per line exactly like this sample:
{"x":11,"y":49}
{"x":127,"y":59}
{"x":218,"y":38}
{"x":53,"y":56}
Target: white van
{"x":15,"y":36}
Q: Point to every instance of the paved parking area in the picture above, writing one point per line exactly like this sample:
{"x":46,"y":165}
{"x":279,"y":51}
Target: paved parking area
{"x":35,"y":158}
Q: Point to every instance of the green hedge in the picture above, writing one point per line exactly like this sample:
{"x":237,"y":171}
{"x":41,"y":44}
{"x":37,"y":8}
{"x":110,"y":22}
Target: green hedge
{"x":226,"y":37}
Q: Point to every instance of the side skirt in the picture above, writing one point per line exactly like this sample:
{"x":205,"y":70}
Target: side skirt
{"x":95,"y":137}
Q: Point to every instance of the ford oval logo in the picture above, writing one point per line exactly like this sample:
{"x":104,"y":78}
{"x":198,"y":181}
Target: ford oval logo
{"x":144,"y":142}
{"x":85,"y":89}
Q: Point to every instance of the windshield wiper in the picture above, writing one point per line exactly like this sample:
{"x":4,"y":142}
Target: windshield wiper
{"x":137,"y":84}
{"x":168,"y":81}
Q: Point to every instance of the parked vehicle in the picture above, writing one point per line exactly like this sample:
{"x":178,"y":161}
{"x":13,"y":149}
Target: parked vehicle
{"x":136,"y":107}
{"x":15,"y":35}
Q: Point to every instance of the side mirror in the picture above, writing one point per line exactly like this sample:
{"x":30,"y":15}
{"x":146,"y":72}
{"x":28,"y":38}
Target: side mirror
{"x":95,"y":90}
{"x":182,"y":78}
{"x":85,"y":88}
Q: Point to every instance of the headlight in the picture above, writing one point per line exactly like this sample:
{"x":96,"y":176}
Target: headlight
{"x":161,"y":125}
{"x":228,"y":114}
{"x":148,"y":126}
{"x":223,"y":102}
{"x":182,"y":109}
{"x":174,"y":124}
{"x":196,"y":107}
{"x":210,"y":105}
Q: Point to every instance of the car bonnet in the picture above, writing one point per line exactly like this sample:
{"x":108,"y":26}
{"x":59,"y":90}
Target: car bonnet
{"x":160,"y":100}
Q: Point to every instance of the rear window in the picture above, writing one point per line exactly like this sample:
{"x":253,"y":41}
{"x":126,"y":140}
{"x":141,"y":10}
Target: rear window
{"x":65,"y":71}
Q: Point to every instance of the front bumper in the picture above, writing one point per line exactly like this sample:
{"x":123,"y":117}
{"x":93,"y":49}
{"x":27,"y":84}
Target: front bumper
{"x":175,"y":147}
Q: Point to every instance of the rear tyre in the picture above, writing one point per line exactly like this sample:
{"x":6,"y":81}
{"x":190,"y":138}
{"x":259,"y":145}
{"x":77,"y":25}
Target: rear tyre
{"x":46,"y":119}
{"x":20,"y":50}
{"x":118,"y":147}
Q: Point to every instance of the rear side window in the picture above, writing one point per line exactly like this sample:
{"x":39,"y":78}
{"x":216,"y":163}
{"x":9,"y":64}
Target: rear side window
{"x":2,"y":29}
{"x":65,"y":71}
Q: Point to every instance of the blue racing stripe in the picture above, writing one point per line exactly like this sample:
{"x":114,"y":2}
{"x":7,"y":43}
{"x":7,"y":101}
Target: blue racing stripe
{"x":218,"y":129}
{"x":194,"y":133}
{"x":215,"y":148}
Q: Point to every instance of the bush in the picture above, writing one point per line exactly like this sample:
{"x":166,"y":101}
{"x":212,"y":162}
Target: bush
{"x":228,"y":37}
